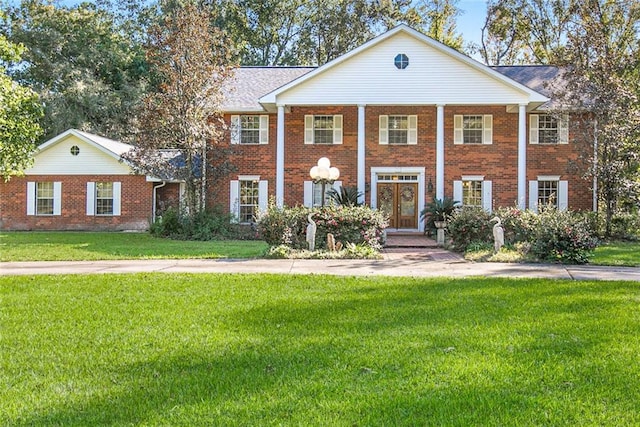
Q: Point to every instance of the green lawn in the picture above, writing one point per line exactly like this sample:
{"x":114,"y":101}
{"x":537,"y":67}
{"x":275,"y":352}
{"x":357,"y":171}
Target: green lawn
{"x":90,"y":246}
{"x":154,"y":349}
{"x":618,"y":253}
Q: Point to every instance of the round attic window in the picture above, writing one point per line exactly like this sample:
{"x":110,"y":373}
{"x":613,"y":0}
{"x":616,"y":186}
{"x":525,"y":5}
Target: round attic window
{"x":401,"y":61}
{"x":75,"y":150}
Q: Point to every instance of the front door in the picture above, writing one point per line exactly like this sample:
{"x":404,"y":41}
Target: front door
{"x":400,"y":202}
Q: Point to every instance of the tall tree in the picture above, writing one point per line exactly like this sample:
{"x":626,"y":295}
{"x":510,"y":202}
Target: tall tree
{"x":439,"y":21}
{"x":181,"y":121}
{"x":20,"y":112}
{"x":602,"y":78}
{"x":87,"y":72}
{"x":526,"y":31}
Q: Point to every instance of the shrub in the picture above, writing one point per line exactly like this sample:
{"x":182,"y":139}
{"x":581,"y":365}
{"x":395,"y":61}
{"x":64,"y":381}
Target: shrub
{"x":206,"y":225}
{"x":437,"y":210}
{"x":562,"y":237}
{"x":347,"y":196}
{"x":354,"y":224}
{"x":518,"y":225}
{"x":624,"y":225}
{"x":469,"y":226}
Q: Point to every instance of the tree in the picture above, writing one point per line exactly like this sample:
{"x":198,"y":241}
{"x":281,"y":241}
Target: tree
{"x":601,"y":78}
{"x":440,"y":21}
{"x":20,"y":112}
{"x":87,"y":71}
{"x":526,"y":31}
{"x":181,"y":121}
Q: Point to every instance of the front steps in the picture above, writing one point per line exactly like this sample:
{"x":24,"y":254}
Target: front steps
{"x":408,"y":239}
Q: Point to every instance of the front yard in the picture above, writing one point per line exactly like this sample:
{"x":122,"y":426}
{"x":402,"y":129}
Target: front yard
{"x":154,"y":349}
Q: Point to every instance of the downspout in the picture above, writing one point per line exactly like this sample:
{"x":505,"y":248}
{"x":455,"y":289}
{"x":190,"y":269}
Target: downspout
{"x":153,"y":208}
{"x":595,"y":166}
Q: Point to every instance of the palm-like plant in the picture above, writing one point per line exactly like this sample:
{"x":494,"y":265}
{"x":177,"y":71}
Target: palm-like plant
{"x":346,"y":196}
{"x":437,"y":210}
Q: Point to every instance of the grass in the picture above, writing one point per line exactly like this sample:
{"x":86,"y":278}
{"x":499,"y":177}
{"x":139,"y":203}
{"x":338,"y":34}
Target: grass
{"x":90,"y":246}
{"x":617,"y":253}
{"x":152,"y":349}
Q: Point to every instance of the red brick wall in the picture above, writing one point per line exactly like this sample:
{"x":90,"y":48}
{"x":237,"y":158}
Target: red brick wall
{"x":136,"y":202}
{"x":497,"y":162}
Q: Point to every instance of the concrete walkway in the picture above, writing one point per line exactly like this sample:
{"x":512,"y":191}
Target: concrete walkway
{"x":420,"y":266}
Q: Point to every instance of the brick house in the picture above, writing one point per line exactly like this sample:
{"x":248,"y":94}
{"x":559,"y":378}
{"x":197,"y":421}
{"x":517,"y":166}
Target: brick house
{"x":404,"y":118}
{"x":79,"y":182}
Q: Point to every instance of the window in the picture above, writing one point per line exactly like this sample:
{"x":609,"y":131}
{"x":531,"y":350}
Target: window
{"x":472,"y":129}
{"x":323,"y":129}
{"x":250,"y":129}
{"x":249,"y":193}
{"x":313,"y":193}
{"x":44,"y":198}
{"x":548,"y":129}
{"x":104,"y":198}
{"x":548,"y":193}
{"x":398,"y":130}
{"x":472,"y":193}
{"x":401,"y":61}
{"x":548,"y":190}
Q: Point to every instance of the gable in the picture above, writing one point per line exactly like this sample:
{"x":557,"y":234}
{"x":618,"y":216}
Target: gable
{"x":56,"y":159}
{"x":435,"y":75}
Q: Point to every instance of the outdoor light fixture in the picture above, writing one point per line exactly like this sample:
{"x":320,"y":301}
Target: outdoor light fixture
{"x":323,"y":173}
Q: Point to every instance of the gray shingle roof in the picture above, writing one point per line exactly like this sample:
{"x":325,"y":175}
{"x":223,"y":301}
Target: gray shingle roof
{"x":250,"y":83}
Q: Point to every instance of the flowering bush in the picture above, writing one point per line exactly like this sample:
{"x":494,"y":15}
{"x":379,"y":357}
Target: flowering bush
{"x":467,"y":226}
{"x":562,"y":237}
{"x":359,"y":225}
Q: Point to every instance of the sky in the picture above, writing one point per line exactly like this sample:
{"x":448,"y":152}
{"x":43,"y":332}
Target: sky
{"x":470,"y":23}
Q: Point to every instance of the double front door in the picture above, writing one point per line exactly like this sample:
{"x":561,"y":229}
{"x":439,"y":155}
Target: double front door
{"x":400,"y":201}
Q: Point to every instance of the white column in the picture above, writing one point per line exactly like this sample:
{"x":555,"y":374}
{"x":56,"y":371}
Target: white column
{"x":440,"y":152}
{"x":522,"y":156}
{"x":280,"y":158}
{"x":361,"y":152}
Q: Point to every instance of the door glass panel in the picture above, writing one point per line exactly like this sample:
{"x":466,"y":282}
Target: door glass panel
{"x":385,"y":198}
{"x":407,"y":200}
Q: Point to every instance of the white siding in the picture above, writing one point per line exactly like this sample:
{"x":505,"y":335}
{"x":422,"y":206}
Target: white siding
{"x":57,"y":160}
{"x":431,"y":77}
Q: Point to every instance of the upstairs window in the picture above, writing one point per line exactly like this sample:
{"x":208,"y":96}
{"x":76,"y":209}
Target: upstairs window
{"x":250,"y":129}
{"x":548,"y":129}
{"x":398,"y":130}
{"x":473,"y":129}
{"x":323,"y":129}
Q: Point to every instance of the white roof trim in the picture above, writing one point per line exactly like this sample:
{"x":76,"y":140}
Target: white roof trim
{"x":99,"y":142}
{"x":536,"y":97}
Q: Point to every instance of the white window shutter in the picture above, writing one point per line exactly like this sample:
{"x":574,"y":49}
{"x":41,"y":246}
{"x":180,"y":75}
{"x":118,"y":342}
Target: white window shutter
{"x":533,"y":195}
{"x":31,"y":198}
{"x":337,"y":185}
{"x":263,"y":194}
{"x":308,"y":194}
{"x":563,"y":195}
{"x":384,"y":130}
{"x":337,"y":129}
{"x":412,"y":134}
{"x":487,"y":196}
{"x":534,"y":124}
{"x":234,"y":199}
{"x":457,"y":191}
{"x":487,"y":129}
{"x":563,"y":129}
{"x":57,"y":198}
{"x":235,"y":129}
{"x":264,"y":129}
{"x":91,"y":198}
{"x":458,"y":135}
{"x":117,"y":198}
{"x":308,"y":129}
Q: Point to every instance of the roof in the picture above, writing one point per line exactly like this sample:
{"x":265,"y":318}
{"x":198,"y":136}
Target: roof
{"x":249,"y":84}
{"x":535,"y":97}
{"x":535,"y":77}
{"x":109,"y":146}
